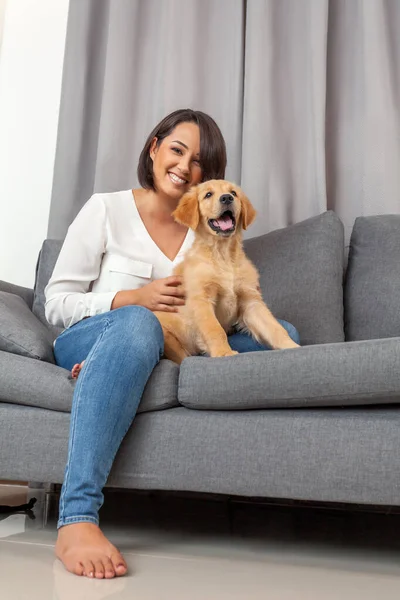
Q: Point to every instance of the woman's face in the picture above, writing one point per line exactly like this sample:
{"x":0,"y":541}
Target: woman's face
{"x":176,"y":161}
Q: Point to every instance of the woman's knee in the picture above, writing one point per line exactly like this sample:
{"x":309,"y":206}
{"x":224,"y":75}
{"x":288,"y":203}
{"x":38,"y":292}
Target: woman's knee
{"x":136,"y":323}
{"x":291,"y":329}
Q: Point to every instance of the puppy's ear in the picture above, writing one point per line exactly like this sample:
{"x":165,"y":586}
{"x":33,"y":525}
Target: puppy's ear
{"x":248,"y":211}
{"x":187,"y":212}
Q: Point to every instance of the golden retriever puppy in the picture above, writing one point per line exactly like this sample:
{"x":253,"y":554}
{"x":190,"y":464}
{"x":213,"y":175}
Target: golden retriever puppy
{"x":220,"y":283}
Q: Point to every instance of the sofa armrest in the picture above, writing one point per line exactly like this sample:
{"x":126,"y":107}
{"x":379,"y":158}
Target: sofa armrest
{"x":23,"y":292}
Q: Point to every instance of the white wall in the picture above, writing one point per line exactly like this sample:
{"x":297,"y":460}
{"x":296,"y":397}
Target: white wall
{"x":31,"y":62}
{"x":2,"y":12}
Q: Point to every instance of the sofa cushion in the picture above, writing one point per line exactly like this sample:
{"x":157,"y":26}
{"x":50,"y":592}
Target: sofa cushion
{"x":44,"y":269}
{"x":301,"y":276}
{"x":372,"y":287}
{"x":349,"y":373}
{"x":33,"y":383}
{"x":24,"y":292}
{"x":21,"y":332}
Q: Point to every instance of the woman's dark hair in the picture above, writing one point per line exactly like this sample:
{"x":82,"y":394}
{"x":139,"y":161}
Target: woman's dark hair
{"x":212,"y":145}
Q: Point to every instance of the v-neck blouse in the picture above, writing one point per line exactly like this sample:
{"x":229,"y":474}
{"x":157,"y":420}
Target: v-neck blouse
{"x":107,"y":249}
{"x":142,"y":232}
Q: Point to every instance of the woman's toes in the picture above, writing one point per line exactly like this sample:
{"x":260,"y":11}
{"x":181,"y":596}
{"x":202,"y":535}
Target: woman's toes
{"x":79,"y":569}
{"x":88,"y":568}
{"x":99,"y":569}
{"x":119,"y":564}
{"x":121,"y":569}
{"x":76,"y":369}
{"x":109,"y":570}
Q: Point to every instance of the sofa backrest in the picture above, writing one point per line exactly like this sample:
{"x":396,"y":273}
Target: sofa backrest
{"x":301,"y":275}
{"x":45,"y":265}
{"x":372,"y":286}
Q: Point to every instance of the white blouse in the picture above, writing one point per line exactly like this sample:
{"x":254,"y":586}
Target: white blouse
{"x":107,"y":249}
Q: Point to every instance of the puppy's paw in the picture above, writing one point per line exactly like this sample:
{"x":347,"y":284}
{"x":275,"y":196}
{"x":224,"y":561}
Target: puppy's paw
{"x":225,"y":353}
{"x":289,"y":344}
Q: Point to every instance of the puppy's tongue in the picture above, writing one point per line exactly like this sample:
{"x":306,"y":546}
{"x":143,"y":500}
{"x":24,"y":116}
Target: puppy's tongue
{"x":224,"y":222}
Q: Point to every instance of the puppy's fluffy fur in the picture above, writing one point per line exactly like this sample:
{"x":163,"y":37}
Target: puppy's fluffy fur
{"x":220,"y":283}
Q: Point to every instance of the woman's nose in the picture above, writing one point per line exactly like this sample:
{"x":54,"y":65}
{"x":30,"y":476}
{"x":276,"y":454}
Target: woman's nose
{"x":184,"y":164}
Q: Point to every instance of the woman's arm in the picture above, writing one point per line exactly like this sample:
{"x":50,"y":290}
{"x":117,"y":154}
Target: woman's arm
{"x":68,"y":295}
{"x":68,"y":299}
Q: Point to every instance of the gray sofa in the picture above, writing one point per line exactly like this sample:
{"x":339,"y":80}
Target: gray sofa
{"x":321,"y":423}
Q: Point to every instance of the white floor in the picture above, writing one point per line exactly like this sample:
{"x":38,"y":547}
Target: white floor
{"x":209,"y":549}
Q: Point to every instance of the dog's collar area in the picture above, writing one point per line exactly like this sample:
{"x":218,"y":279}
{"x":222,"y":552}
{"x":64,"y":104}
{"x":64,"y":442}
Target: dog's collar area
{"x":224,"y":224}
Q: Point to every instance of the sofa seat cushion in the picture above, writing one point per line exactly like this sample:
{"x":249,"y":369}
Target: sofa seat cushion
{"x":372,"y":288}
{"x":301,"y":276}
{"x":343,"y":374}
{"x":21,"y":332}
{"x":33,"y":383}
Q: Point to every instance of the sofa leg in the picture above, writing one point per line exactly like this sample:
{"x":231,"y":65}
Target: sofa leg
{"x":46,"y":487}
{"x":46,"y":507}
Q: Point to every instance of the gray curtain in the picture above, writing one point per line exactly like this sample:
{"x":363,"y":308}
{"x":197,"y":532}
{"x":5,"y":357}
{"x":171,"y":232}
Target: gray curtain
{"x":306,"y":92}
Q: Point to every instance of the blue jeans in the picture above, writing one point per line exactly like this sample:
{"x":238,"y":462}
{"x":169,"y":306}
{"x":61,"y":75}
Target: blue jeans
{"x":120,"y":349}
{"x":242,"y":342}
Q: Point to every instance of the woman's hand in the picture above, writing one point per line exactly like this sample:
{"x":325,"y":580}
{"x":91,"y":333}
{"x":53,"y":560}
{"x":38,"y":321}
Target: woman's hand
{"x":163,"y":294}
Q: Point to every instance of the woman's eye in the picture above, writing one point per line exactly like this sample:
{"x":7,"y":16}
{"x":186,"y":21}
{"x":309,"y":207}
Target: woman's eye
{"x":208,"y":195}
{"x":177,"y":150}
{"x":233,"y":193}
{"x":196,"y":161}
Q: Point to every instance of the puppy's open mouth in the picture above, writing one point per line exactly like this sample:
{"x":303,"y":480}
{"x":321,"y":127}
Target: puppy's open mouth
{"x":225,"y":223}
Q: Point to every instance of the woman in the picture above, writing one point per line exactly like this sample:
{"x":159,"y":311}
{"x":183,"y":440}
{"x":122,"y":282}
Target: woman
{"x":114,"y":269}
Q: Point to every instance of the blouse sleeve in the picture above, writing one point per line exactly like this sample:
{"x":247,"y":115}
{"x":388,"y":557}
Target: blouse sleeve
{"x":68,"y":299}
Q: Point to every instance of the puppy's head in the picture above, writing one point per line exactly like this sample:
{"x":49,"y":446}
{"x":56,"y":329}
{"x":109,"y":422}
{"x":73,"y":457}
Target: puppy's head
{"x":217,"y":207}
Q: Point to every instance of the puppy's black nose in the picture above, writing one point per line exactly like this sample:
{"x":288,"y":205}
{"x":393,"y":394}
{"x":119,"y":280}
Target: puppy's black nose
{"x":226,"y":199}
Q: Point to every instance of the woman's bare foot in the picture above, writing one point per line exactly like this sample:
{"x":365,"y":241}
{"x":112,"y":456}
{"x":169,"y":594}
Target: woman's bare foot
{"x":76,"y":369}
{"x":84,"y":550}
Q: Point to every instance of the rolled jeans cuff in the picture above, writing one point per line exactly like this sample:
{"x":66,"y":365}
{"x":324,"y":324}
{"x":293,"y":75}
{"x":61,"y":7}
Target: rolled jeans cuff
{"x":77,"y":519}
